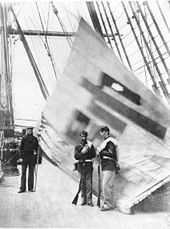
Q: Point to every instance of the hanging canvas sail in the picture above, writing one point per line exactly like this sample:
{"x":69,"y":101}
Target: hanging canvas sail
{"x":97,"y":89}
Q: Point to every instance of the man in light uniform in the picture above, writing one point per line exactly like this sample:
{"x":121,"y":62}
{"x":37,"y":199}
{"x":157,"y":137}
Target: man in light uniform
{"x":107,"y":152}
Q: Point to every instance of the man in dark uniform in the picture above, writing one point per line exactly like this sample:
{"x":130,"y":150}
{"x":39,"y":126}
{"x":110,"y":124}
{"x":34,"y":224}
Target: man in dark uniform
{"x":28,"y":152}
{"x":84,"y":153}
{"x":109,"y":165}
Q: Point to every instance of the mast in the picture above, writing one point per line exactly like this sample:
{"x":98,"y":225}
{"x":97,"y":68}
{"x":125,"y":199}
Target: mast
{"x":6,"y":106}
{"x":94,"y":17}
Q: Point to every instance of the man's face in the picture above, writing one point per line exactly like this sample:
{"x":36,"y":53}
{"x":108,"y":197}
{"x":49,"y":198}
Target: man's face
{"x":29,"y":132}
{"x":103,"y":134}
{"x":83,"y":138}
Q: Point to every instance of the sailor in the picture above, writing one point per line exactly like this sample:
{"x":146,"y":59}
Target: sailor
{"x":84,"y":153}
{"x":28,"y":152}
{"x":107,"y":152}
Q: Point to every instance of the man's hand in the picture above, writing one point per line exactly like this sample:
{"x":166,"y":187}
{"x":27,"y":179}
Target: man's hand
{"x":19,"y":161}
{"x":35,"y":153}
{"x":117,"y":168}
{"x":85,"y":149}
{"x":97,"y":151}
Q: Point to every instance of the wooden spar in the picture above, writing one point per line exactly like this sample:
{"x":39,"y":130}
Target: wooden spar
{"x":4,"y":47}
{"x":101,"y":16}
{"x":163,"y":16}
{"x":117,"y":31}
{"x":0,"y":91}
{"x":32,"y":61}
{"x":165,"y":91}
{"x":12,"y":31}
{"x":111,"y":30}
{"x":94,"y":18}
{"x":153,"y":39}
{"x":6,"y":72}
{"x":141,"y":50}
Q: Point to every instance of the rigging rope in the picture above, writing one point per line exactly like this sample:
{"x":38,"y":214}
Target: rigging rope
{"x":42,"y":85}
{"x":73,"y":15}
{"x":150,"y":44}
{"x":34,"y":46}
{"x":45,"y":64}
{"x":77,"y":10}
{"x":46,"y":44}
{"x":18,"y":13}
{"x":48,"y":16}
{"x":163,"y":16}
{"x":157,"y":68}
{"x":55,"y":11}
{"x":69,"y":19}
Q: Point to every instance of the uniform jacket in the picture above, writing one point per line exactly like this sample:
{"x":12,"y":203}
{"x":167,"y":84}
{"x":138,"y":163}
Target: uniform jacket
{"x":91,"y":153}
{"x":29,"y":144}
{"x":109,"y":149}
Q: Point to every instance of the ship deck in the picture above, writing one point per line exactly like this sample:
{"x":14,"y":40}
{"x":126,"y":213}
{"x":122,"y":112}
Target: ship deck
{"x":50,"y":206}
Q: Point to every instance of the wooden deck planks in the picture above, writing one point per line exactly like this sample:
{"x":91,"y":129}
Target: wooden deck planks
{"x":50,"y":206}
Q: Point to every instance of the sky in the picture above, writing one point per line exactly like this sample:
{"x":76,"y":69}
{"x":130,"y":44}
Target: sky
{"x":27,"y":97}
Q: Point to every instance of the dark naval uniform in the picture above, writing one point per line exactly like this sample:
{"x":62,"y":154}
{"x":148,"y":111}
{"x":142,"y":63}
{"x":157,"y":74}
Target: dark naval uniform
{"x":28,"y":150}
{"x":85,"y":168}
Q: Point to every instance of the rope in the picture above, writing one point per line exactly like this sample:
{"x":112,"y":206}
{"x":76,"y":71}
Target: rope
{"x":73,"y":15}
{"x":46,"y":44}
{"x":42,"y":85}
{"x":78,"y":12}
{"x":69,"y":19}
{"x":48,"y":16}
{"x":62,"y":26}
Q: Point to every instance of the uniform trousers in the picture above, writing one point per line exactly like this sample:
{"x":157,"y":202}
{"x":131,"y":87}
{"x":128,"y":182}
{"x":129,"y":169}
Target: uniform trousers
{"x":86,"y":171}
{"x":107,"y":186}
{"x":108,"y":170}
{"x":31,"y":168}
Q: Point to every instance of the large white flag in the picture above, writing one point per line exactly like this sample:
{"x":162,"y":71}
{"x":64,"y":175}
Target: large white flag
{"x":97,"y":89}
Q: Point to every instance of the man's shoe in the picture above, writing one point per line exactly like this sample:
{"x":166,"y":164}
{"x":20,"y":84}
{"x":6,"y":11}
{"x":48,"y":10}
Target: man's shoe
{"x":31,"y":190}
{"x":106,"y":207}
{"x":83,"y":203}
{"x":21,"y":191}
{"x":90,"y":204}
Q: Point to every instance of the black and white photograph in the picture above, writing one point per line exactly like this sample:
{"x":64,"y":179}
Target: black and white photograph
{"x":85,"y":114}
